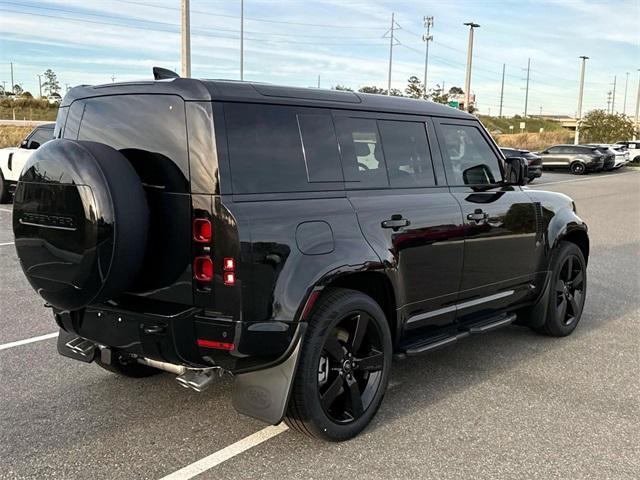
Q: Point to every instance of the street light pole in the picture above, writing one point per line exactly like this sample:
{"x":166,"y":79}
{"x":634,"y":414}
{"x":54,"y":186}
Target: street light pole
{"x":241,"y":40}
{"x":428,"y":23}
{"x":613,"y":99}
{"x":40,"y":84}
{"x":526,"y":95}
{"x":635,"y":132}
{"x":185,"y":39}
{"x":504,"y":65}
{"x":626,"y":85}
{"x":576,"y":139}
{"x":467,"y":83}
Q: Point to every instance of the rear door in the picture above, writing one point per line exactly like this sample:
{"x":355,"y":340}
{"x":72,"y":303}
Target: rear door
{"x":501,"y":243}
{"x":405,"y":211}
{"x":555,"y":157}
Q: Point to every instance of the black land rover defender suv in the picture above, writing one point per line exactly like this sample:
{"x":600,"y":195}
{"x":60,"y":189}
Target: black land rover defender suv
{"x":298,"y":239}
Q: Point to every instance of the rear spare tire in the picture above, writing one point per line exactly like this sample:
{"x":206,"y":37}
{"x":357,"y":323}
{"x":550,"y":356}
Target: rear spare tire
{"x":80,"y":221}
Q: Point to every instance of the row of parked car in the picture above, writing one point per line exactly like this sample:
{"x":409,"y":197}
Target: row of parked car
{"x":579,"y":159}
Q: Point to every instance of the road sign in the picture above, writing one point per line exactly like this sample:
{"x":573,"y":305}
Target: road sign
{"x":454,"y":104}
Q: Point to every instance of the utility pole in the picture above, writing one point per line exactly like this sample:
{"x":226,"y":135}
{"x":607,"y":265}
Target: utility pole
{"x":185,"y":39}
{"x":40,"y":84}
{"x":467,"y":83}
{"x":576,"y":139}
{"x":636,"y":133}
{"x":391,"y":40}
{"x":609,"y":102}
{"x":504,"y":65}
{"x":242,"y":40}
{"x":4,"y":87}
{"x":626,"y":85}
{"x":12,"y":84}
{"x":613,"y":99}
{"x":526,"y":95}
{"x":540,"y":111}
{"x":113,"y":78}
{"x":318,"y":81}
{"x":428,"y":23}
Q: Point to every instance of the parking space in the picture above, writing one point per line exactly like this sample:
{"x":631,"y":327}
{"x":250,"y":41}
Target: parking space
{"x":510,"y":404}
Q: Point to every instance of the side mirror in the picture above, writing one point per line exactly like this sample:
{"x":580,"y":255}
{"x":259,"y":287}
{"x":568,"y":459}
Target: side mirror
{"x":478,"y":175}
{"x":516,"y":171}
{"x":24,"y":143}
{"x":33,"y":145}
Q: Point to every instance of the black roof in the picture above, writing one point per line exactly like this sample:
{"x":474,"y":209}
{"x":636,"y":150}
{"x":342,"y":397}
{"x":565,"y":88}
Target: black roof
{"x":227,"y":90}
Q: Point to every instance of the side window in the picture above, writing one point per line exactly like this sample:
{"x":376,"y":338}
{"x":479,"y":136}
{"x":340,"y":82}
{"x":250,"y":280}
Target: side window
{"x":362,"y":155}
{"x":40,"y":136}
{"x":281,"y":149}
{"x":407,"y":153}
{"x":468,"y":157}
{"x":149,"y":130}
{"x":554,"y":150}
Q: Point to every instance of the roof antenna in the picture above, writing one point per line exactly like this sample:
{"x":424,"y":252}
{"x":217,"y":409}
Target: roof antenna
{"x":160,"y":73}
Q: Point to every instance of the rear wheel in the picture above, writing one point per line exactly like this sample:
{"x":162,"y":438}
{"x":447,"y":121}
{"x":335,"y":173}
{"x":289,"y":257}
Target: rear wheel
{"x":578,"y":168}
{"x":568,"y":291}
{"x":344,"y":369}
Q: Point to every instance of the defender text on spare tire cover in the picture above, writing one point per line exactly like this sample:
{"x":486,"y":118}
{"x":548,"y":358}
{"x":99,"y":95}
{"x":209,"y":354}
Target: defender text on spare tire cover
{"x":80,"y":222}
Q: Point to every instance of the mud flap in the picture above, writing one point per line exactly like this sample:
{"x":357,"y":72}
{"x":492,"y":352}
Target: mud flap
{"x":264,"y":394}
{"x":536,"y":315}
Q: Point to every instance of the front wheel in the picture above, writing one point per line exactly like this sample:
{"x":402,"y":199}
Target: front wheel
{"x":568,"y":291}
{"x":4,"y":189}
{"x":344,"y":368}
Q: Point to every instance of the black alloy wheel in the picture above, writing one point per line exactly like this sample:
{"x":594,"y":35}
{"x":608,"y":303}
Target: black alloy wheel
{"x":567,"y":291}
{"x":570,"y":290}
{"x":350,"y":368}
{"x":344,"y":367}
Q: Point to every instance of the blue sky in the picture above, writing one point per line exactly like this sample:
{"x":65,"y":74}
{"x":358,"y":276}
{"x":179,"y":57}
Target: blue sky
{"x":292,"y":42}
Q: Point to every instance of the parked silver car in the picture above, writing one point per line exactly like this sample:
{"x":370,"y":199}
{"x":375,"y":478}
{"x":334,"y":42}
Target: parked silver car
{"x":579,"y":159}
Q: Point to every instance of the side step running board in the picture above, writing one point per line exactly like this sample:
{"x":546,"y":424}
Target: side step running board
{"x":492,"y":324}
{"x":439,"y":341}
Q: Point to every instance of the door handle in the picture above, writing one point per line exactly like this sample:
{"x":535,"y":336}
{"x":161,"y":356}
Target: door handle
{"x":395,"y":222}
{"x":478,"y":216}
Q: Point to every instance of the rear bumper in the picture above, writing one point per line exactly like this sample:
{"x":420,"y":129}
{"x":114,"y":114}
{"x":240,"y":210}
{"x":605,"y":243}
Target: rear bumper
{"x":188,"y":336}
{"x":595,"y":166}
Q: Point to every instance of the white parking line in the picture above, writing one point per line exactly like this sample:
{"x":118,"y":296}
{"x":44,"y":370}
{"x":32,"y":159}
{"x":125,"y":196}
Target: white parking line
{"x":5,"y":244}
{"x":226,"y":453}
{"x":4,"y":346}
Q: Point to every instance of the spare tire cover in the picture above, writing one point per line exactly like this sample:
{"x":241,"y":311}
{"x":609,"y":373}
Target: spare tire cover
{"x":80,"y":220}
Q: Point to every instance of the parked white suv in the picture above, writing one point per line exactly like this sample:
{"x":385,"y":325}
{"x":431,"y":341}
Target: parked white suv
{"x":633,"y":147}
{"x":621,"y":154}
{"x":12,"y":159}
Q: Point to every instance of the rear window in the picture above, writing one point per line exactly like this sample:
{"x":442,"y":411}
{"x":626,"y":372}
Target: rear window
{"x":149,"y":130}
{"x":274,"y":149}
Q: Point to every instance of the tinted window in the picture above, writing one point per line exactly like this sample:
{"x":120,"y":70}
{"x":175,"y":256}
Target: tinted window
{"x":362,"y":155}
{"x":41,"y":136}
{"x":281,"y":149}
{"x":469,"y":159}
{"x":149,"y":130}
{"x":553,"y":150}
{"x":407,"y":153}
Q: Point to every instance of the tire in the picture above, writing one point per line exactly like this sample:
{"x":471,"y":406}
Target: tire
{"x":87,"y":225}
{"x":129,"y":369}
{"x":4,"y":190}
{"x":325,"y":400}
{"x":578,"y":168}
{"x":568,"y":277}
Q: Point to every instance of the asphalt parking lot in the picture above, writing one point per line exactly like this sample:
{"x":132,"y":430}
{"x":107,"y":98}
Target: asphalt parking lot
{"x":510,"y":404}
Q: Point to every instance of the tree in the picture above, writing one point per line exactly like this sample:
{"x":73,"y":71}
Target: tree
{"x":375,"y":90}
{"x":414,"y":89}
{"x":51,"y":84}
{"x":456,"y":91}
{"x":343,"y":87}
{"x":26,"y":95}
{"x":598,"y":126}
{"x":438,"y":95}
{"x":17,"y":89}
{"x":395,"y":92}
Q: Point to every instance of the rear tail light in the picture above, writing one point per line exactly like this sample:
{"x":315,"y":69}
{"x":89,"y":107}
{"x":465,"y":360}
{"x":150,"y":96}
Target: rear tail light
{"x":229,"y":264}
{"x":202,"y":231}
{"x":203,"y":269}
{"x":229,"y":278}
{"x":213,"y":344}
